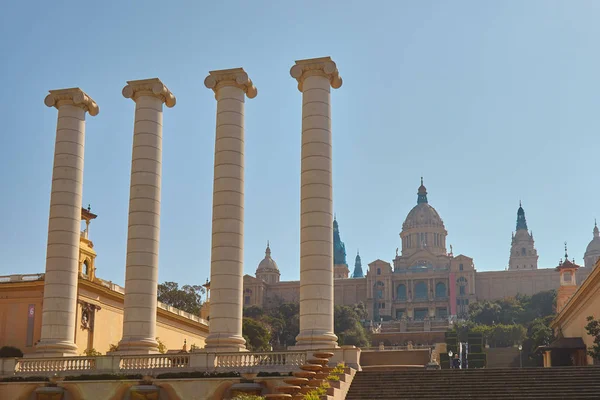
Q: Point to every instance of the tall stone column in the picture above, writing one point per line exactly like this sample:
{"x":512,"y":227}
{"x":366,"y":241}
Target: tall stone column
{"x":227,"y":253}
{"x":315,"y":78}
{"x":62,"y":257}
{"x":141,"y":270}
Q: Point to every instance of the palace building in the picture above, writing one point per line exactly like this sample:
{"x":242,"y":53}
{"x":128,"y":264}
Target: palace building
{"x":424,"y":280}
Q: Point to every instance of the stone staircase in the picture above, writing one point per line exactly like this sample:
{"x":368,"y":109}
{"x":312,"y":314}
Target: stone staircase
{"x":569,"y":383}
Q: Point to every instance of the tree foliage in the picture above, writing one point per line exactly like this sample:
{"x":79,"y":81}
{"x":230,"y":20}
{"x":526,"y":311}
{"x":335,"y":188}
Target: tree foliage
{"x":258,"y":337}
{"x":593,"y":329}
{"x":188,"y":298}
{"x":282,"y":322}
{"x":521,"y":320}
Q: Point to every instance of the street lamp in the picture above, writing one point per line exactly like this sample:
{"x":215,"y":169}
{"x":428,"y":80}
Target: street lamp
{"x":520,"y":357}
{"x":450,"y":364}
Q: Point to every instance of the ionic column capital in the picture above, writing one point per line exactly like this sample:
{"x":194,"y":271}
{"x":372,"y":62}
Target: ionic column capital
{"x":72,"y":96}
{"x":149,"y":87}
{"x":323,"y":66}
{"x":236,"y":77}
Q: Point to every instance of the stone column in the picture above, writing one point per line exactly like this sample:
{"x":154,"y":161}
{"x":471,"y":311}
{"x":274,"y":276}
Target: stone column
{"x":143,"y":234}
{"x":62,"y":256}
{"x":227,"y":253}
{"x":315,"y":78}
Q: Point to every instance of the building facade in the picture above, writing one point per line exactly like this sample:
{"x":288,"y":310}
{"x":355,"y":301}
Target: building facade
{"x":424,"y":280}
{"x":99,"y":314}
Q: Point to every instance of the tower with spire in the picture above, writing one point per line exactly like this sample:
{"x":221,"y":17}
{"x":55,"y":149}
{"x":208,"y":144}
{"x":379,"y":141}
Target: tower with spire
{"x":358,"y":271}
{"x":523,"y":255}
{"x":340,"y":267}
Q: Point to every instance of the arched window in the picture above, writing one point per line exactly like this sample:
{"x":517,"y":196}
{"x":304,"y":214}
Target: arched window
{"x":462,"y":285}
{"x":523,"y":251}
{"x":86,"y":268}
{"x":401,"y":292}
{"x":421,"y":290}
{"x":379,"y":290}
{"x":440,"y":289}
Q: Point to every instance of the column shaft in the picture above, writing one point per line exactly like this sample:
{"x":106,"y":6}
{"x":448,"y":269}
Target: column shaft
{"x":316,"y":209}
{"x":64,"y":226}
{"x":143,"y":235}
{"x":227,"y":252}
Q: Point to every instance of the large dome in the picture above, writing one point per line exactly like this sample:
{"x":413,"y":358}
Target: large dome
{"x":422,"y":215}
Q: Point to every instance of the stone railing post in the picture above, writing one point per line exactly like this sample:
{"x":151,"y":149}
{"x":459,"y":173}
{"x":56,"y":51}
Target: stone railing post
{"x":141,"y":269}
{"x":315,"y":78}
{"x":230,"y":86}
{"x":62,"y":256}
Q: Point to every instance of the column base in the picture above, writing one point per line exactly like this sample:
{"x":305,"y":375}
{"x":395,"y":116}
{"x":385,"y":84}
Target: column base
{"x":221,"y":342}
{"x":54,"y":348}
{"x":137,"y":346}
{"x":315,"y":339}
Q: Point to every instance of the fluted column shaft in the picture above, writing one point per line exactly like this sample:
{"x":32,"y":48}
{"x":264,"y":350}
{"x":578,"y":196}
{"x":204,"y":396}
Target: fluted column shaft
{"x":62,"y":257}
{"x":315,"y":78}
{"x":143,"y":235}
{"x":227,"y":252}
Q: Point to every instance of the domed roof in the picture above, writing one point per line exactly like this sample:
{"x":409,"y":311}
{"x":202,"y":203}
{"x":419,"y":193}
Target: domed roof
{"x":422,"y":215}
{"x":267,"y":264}
{"x":594,"y":245}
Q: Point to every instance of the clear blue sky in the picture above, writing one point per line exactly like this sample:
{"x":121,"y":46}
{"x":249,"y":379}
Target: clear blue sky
{"x":492,"y":102}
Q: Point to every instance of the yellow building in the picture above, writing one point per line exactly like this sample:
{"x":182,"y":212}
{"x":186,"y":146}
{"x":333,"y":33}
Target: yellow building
{"x":99,"y":318}
{"x":569,"y":324}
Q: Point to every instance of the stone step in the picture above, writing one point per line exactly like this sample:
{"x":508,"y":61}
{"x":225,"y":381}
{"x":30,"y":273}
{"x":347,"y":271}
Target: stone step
{"x":570,"y":383}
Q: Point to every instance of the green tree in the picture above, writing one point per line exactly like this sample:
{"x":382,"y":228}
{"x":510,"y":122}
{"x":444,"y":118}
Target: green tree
{"x":188,"y":298}
{"x":593,"y":329}
{"x":484,"y":312}
{"x":257,"y":335}
{"x":348,"y":328}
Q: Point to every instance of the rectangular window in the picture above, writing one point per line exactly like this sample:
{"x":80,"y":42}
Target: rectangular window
{"x":441,"y":312}
{"x":460,"y":267}
{"x":420,"y":313}
{"x":462,"y":290}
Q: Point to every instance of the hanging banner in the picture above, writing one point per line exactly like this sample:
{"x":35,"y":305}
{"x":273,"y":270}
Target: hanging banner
{"x":30,"y":324}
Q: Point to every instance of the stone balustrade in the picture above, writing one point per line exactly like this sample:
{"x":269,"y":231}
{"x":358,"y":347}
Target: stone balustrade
{"x":284,"y":362}
{"x":42,"y":366}
{"x":21,"y":278}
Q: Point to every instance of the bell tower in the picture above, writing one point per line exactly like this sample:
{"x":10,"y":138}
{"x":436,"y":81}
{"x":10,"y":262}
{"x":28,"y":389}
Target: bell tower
{"x":87,"y":255}
{"x":568,"y":282}
{"x":523,"y":255}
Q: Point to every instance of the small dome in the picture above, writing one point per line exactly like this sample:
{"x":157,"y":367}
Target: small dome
{"x":267,"y":264}
{"x":593,"y":248}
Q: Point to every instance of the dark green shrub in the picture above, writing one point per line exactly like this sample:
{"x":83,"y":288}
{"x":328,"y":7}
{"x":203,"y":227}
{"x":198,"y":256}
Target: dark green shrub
{"x":10,"y":352}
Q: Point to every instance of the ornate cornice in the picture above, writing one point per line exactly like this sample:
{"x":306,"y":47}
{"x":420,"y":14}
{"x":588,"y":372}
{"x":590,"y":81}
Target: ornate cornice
{"x":236,"y":77}
{"x":149,"y":87}
{"x":323,"y":66}
{"x":73,"y":96}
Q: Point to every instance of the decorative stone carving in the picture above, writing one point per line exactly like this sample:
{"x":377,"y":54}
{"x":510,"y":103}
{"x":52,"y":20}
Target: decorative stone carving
{"x":323,"y":66}
{"x":231,"y":77}
{"x":87,"y":315}
{"x":149,"y":87}
{"x":72,"y":96}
